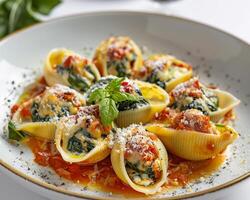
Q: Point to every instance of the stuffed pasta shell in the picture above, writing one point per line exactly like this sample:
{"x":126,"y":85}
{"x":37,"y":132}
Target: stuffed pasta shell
{"x":164,"y":70}
{"x":193,"y":95}
{"x":191,"y":135}
{"x":39,"y":115}
{"x":117,"y":56}
{"x":68,"y":68}
{"x":153,"y":99}
{"x":82,"y":138}
{"x":139,"y":159}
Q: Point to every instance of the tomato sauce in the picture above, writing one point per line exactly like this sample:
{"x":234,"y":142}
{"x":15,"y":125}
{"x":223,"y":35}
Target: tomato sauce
{"x":101,"y":175}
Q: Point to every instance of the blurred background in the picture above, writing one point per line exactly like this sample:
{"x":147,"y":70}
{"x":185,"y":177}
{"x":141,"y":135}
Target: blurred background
{"x":232,"y":16}
{"x":229,"y":15}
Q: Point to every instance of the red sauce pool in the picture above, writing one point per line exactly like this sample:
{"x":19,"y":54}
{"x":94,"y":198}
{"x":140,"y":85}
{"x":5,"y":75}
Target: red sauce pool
{"x":101,"y":175}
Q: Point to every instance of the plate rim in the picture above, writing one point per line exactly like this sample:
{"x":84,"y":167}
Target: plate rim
{"x":53,"y":188}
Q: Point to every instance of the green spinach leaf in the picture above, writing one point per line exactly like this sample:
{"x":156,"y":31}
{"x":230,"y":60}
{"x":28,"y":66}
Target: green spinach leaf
{"x":14,"y":134}
{"x":17,"y":14}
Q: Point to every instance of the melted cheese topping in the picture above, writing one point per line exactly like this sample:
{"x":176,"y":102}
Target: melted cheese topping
{"x":141,"y":155}
{"x":82,"y":137}
{"x":79,"y":65}
{"x":193,"y":120}
{"x":161,"y":69}
{"x":68,"y":68}
{"x":118,"y":56}
{"x":192,"y":95}
{"x":142,"y":160}
{"x":56,"y":102}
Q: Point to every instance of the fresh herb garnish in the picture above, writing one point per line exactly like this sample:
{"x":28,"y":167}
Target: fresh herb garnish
{"x":108,"y":98}
{"x":16,"y":14}
{"x":13,"y":133}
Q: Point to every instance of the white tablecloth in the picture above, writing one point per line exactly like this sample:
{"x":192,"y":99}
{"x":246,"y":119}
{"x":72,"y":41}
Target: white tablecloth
{"x":229,"y":15}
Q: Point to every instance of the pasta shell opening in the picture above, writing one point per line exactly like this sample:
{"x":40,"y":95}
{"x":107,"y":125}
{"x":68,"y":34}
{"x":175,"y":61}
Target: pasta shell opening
{"x":65,"y":67}
{"x":193,"y":145}
{"x":130,"y":172}
{"x":117,"y":56}
{"x":38,"y":116}
{"x":81,"y":138}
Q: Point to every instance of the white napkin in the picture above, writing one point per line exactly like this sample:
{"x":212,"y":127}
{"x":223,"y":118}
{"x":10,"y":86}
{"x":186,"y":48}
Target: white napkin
{"x":13,"y":79}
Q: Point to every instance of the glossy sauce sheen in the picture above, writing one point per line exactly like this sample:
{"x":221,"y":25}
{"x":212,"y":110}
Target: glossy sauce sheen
{"x":101,"y":175}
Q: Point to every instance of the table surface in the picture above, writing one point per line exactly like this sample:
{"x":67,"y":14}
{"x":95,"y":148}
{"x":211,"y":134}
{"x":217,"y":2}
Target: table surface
{"x":228,"y":15}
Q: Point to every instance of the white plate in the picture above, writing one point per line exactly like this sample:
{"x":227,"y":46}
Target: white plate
{"x":216,"y":56}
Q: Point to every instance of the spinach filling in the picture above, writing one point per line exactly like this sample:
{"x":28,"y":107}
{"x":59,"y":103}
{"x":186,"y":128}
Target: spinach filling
{"x":60,"y":69}
{"x":36,"y":117}
{"x":149,"y":171}
{"x":120,"y":67}
{"x":75,"y":145}
{"x":131,"y":105}
{"x":81,"y":142}
{"x":153,"y":78}
{"x":195,"y":104}
{"x":64,"y":112}
{"x":212,"y":100}
{"x":138,"y":175}
{"x":88,"y":69}
{"x":75,"y":80}
{"x":209,"y":103}
{"x":78,"y":82}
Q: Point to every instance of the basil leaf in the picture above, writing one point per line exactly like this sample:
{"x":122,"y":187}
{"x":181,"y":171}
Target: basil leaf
{"x":110,"y":98}
{"x":3,"y":21}
{"x":13,"y":133}
{"x":17,"y":10}
{"x":114,"y":85}
{"x":16,"y":14}
{"x":44,"y":6}
{"x":97,"y":95}
{"x":119,"y":96}
{"x":108,"y":110}
{"x":123,"y":96}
